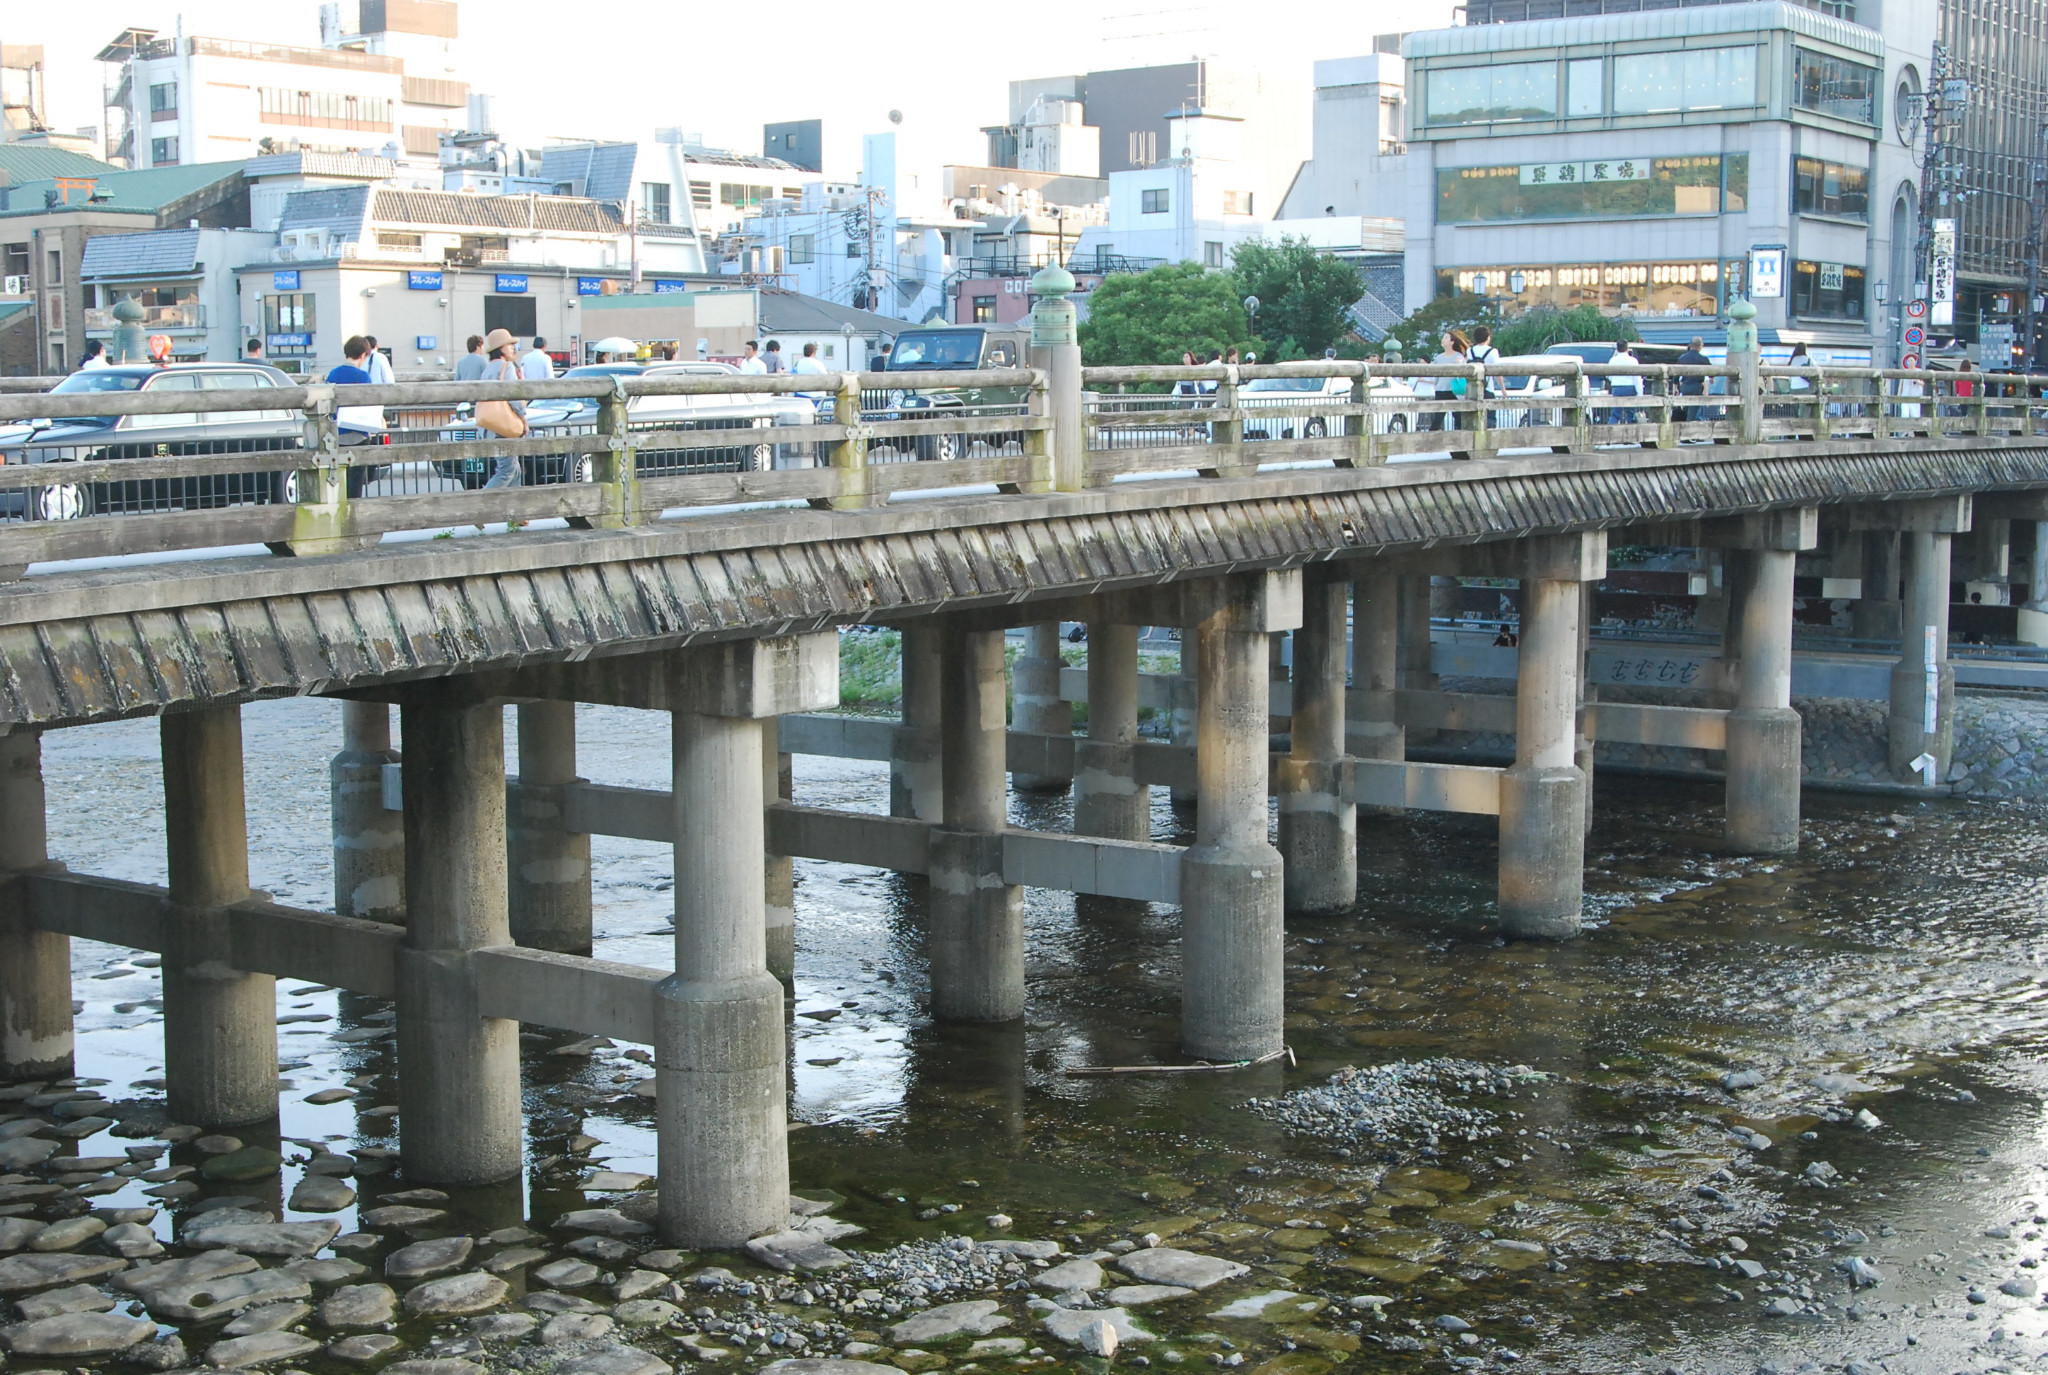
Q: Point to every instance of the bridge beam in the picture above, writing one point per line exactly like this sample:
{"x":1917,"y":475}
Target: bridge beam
{"x":1108,"y":800}
{"x":548,"y":865}
{"x":1543,"y":797}
{"x":458,"y":1070}
{"x":1318,"y":826}
{"x":1232,"y":967}
{"x":1763,"y":732}
{"x":976,"y":936}
{"x":220,"y":1022}
{"x":369,"y":842}
{"x":35,"y":965}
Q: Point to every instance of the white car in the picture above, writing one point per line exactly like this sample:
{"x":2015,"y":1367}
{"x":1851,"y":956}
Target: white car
{"x":1300,"y":397}
{"x":1523,"y":394}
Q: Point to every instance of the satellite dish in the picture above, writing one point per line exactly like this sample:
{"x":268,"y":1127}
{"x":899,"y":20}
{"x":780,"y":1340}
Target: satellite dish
{"x":895,"y":116}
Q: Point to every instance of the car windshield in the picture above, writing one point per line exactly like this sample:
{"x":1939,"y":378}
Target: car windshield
{"x":605,"y":370}
{"x":951,"y":348}
{"x":1284,"y":384}
{"x":99,"y":379}
{"x":1592,"y":353}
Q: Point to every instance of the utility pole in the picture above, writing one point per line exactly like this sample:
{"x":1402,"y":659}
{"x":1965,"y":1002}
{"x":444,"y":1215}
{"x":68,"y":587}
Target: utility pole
{"x":1940,"y":109}
{"x":2037,"y":211}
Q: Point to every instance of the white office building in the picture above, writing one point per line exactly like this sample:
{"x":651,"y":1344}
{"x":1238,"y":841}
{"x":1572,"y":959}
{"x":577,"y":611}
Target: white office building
{"x":1663,"y":164}
{"x":671,"y":181}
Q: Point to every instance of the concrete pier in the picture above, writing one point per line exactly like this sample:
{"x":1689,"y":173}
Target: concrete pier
{"x":1232,"y":885}
{"x":458,"y":1071}
{"x":1318,"y":828}
{"x":35,"y":966}
{"x":548,"y":867}
{"x":1375,"y":665}
{"x":1543,"y":797}
{"x":915,"y":789}
{"x":1108,"y":800}
{"x":1035,"y":697}
{"x":1922,"y":720}
{"x":220,"y":1023}
{"x":369,"y":842}
{"x":2033,"y":613}
{"x":976,"y":937}
{"x":1877,"y":613}
{"x":1412,"y":650}
{"x":1763,"y":730}
{"x":778,"y":873}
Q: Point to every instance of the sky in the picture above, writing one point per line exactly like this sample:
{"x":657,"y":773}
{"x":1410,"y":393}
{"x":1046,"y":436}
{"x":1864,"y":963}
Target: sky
{"x":623,"y":69}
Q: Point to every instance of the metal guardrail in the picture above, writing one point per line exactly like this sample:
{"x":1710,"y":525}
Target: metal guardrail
{"x":294,"y":468}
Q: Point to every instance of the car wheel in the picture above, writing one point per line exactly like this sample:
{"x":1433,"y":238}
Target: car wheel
{"x":1314,"y":429}
{"x":63,"y":501}
{"x":761,"y":458}
{"x":1397,"y":425}
{"x":582,"y":468}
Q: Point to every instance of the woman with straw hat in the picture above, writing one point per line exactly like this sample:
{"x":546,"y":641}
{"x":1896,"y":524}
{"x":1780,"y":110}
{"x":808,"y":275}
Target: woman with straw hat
{"x":503,"y":351}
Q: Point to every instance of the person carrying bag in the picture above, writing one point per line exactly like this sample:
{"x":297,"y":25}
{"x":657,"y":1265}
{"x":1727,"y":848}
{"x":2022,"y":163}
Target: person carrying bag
{"x":505,"y":419}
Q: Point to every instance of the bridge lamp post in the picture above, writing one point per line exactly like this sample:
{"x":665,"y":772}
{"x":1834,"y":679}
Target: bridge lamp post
{"x":1251,"y":313}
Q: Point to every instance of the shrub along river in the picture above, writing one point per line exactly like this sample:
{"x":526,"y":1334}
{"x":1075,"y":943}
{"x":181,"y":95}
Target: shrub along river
{"x":1762,"y":1112}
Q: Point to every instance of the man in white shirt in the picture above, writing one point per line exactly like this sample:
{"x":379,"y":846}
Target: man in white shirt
{"x":379,"y":367}
{"x":809,"y":363}
{"x":534,"y":364}
{"x":751,"y":365}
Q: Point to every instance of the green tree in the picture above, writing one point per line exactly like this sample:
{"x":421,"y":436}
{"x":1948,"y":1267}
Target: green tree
{"x":1419,"y":333}
{"x":1153,"y":317}
{"x":1304,"y":296}
{"x":1537,"y":328}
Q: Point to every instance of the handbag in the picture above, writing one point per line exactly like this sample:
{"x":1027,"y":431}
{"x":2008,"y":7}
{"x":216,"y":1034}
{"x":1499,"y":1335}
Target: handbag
{"x":500,"y":419}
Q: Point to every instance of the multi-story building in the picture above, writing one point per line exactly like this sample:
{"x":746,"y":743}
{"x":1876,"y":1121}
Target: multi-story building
{"x":184,"y":280}
{"x":1360,"y":161}
{"x":674,"y":182}
{"x":1663,"y":163}
{"x":199,"y":99}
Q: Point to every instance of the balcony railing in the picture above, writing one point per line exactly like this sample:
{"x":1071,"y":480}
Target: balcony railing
{"x":100,"y":319}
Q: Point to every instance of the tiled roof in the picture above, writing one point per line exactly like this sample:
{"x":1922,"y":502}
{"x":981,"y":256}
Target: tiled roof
{"x":555,"y":214}
{"x":38,"y":162}
{"x":164,"y":253}
{"x":147,"y":189}
{"x":311,"y":163}
{"x":602,"y":171}
{"x":337,"y":209}
{"x":795,"y":313}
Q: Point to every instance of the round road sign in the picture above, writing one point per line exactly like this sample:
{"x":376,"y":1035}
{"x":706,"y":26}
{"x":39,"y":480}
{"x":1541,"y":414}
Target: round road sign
{"x":1915,"y":335}
{"x":1910,"y":361}
{"x":1916,"y":310}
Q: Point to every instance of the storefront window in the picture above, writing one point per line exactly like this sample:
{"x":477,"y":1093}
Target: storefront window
{"x":1834,"y":86}
{"x":1594,"y":188}
{"x":1830,"y":188}
{"x":1491,"y":95}
{"x":1829,"y":291}
{"x":1698,"y":79}
{"x":1667,"y":289}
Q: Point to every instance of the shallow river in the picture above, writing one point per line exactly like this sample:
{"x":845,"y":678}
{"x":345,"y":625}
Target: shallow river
{"x":1895,"y":967}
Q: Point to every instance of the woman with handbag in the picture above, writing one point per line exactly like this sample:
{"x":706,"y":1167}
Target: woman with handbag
{"x":505,"y":419}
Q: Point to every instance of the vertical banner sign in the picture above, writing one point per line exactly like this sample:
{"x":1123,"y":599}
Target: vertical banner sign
{"x":1766,"y":272}
{"x":1941,"y":273}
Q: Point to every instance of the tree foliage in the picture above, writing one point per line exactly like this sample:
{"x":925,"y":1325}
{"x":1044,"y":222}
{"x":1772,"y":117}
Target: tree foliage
{"x":1153,"y":317}
{"x":1419,"y":333}
{"x":1304,"y":296}
{"x":1537,"y":328}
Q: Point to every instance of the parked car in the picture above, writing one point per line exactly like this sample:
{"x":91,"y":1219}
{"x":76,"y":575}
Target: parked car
{"x":702,"y":411}
{"x":1603,"y":352}
{"x":108,"y":439}
{"x":1300,"y":397}
{"x":1522,"y":394}
{"x":950,"y":348}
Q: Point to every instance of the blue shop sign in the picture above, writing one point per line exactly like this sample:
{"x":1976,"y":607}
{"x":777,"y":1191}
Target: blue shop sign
{"x":422,"y":281}
{"x":670,"y":288}
{"x":289,"y":341}
{"x":511,"y":281}
{"x":287,"y":280}
{"x":590,"y":286}
{"x":426,"y":341}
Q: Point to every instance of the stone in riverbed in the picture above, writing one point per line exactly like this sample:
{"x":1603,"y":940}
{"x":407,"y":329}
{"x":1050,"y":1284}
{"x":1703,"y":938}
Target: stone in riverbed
{"x":1171,"y":1265}
{"x":1074,"y":1274}
{"x":28,"y":1273}
{"x":321,"y":1194}
{"x":260,"y":1238}
{"x":76,"y":1334}
{"x":637,"y":1284}
{"x":364,"y":1348}
{"x":1138,"y":1295}
{"x":239,"y":1353}
{"x":564,"y":1328}
{"x":17,"y":1232}
{"x":502,"y":1327}
{"x":796,"y":1251}
{"x":616,"y":1360}
{"x":974,"y":1318}
{"x":250,"y":1162}
{"x":1275,"y":1305}
{"x":456,"y":1295}
{"x":426,"y":1259}
{"x":25,"y":1151}
{"x":1070,"y":1324}
{"x":269,"y":1317}
{"x":647,"y":1313}
{"x":402,"y":1215}
{"x":609,"y":1221}
{"x":441,"y":1366}
{"x":131,"y":1241}
{"x":567,"y":1274}
{"x":75,"y":1298}
{"x":359,"y":1306}
{"x":814,"y":1365}
{"x":68,"y":1235}
{"x":1022,"y":1250}
{"x":209,"y":1300}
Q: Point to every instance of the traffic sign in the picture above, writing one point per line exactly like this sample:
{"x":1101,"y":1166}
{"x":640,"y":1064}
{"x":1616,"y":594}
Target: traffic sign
{"x":1915,"y":335}
{"x":1910,"y":361}
{"x":1916,"y":310}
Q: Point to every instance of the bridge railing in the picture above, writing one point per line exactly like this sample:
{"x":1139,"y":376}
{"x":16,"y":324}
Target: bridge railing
{"x":323,"y":468}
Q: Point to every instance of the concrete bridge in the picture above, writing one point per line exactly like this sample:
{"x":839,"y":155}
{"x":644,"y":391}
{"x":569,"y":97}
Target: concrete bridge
{"x":715,"y":596}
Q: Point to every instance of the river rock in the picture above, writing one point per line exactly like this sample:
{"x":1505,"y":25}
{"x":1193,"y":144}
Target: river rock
{"x":208,"y":1300}
{"x":1862,"y":1274}
{"x":1023,"y":1250}
{"x":165,"y":1353}
{"x":616,"y":1360}
{"x":609,"y":1221}
{"x":564,"y":1328}
{"x":74,"y":1298}
{"x":2020,"y":1287}
{"x":17,"y":1232}
{"x":320,"y":1194}
{"x":1068,"y":1324}
{"x":76,"y":1334}
{"x":647,"y":1313}
{"x":555,"y":1301}
{"x":1277,"y":1305}
{"x":567,"y":1274}
{"x":147,"y":1281}
{"x":1138,"y":1295}
{"x":218,"y":1144}
{"x":25,"y":1274}
{"x":359,"y":1306}
{"x":445,"y":1365}
{"x":239,"y":1353}
{"x":456,"y":1295}
{"x":796,"y":1251}
{"x":260,"y":1238}
{"x":603,"y":1250}
{"x":364,"y":1348}
{"x":502,"y":1327}
{"x":1074,"y":1274}
{"x":974,"y":1318}
{"x":426,"y":1259}
{"x":68,"y":1235}
{"x":24,"y":1151}
{"x":402,"y":1215}
{"x":514,"y":1258}
{"x":250,"y":1162}
{"x":825,"y":1365}
{"x":1099,"y":1338}
{"x":325,"y":1269}
{"x":1187,"y":1269}
{"x":131,"y":1240}
{"x":269,"y":1317}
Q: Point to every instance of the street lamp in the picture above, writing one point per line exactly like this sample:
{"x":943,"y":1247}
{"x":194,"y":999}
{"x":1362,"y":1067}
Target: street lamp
{"x":847,"y":331}
{"x":1251,"y":310}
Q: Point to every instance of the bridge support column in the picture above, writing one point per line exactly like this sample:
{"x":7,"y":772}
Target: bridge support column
{"x":220,"y":1023}
{"x":720,"y":1043}
{"x":1318,"y":829}
{"x":2033,"y":614}
{"x":1035,"y":690}
{"x":1543,"y":797}
{"x":548,"y":866}
{"x":1375,"y":655}
{"x":779,"y":873}
{"x":914,"y":774}
{"x":369,"y":842}
{"x":458,"y":1071}
{"x":1231,"y":879}
{"x":1763,"y":731}
{"x":976,"y":941}
{"x":1877,"y":613}
{"x":1923,"y":683}
{"x":1185,"y":686}
{"x":1589,"y":692}
{"x":35,"y":966}
{"x":1108,"y":800}
{"x":1414,"y":668}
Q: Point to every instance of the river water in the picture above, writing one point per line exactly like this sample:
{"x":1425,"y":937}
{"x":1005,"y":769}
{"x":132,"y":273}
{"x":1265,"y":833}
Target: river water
{"x":1894,"y":967}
